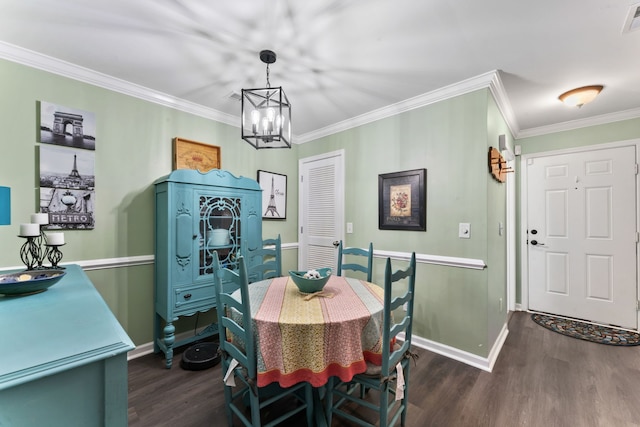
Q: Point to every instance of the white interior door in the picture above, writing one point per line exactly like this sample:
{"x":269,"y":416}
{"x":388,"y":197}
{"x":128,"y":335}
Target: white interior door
{"x":321,"y":209}
{"x":581,"y":212}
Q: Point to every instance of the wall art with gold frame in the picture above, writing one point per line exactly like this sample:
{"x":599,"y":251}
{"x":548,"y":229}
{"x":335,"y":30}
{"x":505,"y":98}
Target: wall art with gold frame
{"x":189,"y":154}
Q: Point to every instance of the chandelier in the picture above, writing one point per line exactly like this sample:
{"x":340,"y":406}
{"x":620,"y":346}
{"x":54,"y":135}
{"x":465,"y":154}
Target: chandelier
{"x":266,"y":113}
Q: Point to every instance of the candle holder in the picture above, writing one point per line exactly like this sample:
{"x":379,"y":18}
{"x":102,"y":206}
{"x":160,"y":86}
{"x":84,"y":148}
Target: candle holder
{"x":30,"y":252}
{"x":54,"y":255}
{"x":41,"y":241}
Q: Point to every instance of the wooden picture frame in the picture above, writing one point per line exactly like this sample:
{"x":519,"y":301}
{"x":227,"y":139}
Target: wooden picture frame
{"x":274,"y":194}
{"x":189,"y":154}
{"x":402,"y":200}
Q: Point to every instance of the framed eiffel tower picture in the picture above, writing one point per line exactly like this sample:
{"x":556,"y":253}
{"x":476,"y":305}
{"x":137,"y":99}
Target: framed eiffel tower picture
{"x":274,"y":195}
{"x":67,"y":187}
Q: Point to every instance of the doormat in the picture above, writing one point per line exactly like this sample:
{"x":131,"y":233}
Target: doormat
{"x":587,"y":331}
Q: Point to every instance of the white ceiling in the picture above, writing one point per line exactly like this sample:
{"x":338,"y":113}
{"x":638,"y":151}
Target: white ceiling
{"x":340,"y":60}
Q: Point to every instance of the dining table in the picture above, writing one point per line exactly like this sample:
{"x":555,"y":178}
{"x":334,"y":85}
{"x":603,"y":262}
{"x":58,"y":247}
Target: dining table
{"x":310,"y":338}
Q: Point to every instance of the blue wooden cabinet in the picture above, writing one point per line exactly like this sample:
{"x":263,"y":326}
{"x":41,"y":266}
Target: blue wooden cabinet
{"x":63,"y":358}
{"x":197,"y":214}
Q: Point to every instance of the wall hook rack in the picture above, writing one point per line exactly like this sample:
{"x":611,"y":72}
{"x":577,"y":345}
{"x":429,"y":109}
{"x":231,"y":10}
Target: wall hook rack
{"x":498,"y":165}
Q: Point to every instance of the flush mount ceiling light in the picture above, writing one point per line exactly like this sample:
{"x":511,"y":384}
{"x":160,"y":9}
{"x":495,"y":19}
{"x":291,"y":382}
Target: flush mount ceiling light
{"x":580,"y":96}
{"x":266,"y":113}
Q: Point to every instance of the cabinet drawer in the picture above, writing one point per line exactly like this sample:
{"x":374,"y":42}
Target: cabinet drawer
{"x":194,"y":296}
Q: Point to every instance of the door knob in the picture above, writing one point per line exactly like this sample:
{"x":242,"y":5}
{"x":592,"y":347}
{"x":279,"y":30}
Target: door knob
{"x":336,"y":243}
{"x":534,"y":231}
{"x":536,"y":243}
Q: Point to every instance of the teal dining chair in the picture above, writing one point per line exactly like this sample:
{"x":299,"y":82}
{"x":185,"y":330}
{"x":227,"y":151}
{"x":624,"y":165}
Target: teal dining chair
{"x":387,"y":378}
{"x":368,"y":254}
{"x":237,"y":345}
{"x":266,"y":262}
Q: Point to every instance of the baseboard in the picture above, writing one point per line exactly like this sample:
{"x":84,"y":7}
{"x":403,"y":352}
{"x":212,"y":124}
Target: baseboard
{"x":140,"y":350}
{"x":484,"y":363}
{"x":497,"y":346}
{"x":147,"y":348}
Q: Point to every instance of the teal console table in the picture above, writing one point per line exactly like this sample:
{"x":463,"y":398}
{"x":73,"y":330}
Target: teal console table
{"x":63,"y":358}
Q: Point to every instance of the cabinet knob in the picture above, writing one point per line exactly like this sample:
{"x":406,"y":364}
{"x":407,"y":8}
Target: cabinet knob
{"x":187,"y":296}
{"x":195,"y":236}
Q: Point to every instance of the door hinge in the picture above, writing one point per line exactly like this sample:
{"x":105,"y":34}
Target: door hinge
{"x":636,"y":165}
{"x":301,"y":228}
{"x":638,"y":305}
{"x":637,"y":237}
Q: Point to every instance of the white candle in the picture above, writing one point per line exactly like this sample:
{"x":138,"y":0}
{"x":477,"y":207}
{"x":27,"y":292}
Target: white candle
{"x":29,"y":230}
{"x":40,"y":218}
{"x":55,"y":239}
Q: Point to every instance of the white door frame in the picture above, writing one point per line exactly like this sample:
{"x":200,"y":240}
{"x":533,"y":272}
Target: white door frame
{"x":524,"y":267}
{"x":511,"y":239}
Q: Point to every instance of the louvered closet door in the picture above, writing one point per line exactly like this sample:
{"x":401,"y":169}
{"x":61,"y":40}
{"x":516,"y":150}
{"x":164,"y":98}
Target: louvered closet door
{"x":321,"y":198}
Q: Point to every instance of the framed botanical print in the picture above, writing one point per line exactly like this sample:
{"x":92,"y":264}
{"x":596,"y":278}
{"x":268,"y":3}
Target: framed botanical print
{"x":402,"y":200}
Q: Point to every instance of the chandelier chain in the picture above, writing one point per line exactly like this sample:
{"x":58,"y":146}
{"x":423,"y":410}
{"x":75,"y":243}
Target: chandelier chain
{"x":268,"y":84}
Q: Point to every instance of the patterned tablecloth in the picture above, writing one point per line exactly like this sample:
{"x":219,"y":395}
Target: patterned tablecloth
{"x":298,"y":340}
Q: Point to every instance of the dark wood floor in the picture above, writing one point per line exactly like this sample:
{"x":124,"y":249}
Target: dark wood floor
{"x":540,"y":379}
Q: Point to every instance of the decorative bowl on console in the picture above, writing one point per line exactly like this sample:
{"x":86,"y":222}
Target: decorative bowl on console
{"x":29,"y":281}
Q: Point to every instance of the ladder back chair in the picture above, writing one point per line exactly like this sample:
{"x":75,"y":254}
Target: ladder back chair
{"x":368,"y":254}
{"x":392,"y":378}
{"x":269,"y":260}
{"x":237,"y":344}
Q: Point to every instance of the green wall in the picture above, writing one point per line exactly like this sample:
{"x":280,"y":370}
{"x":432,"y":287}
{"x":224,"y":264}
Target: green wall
{"x":450,"y":139}
{"x":454,"y":306}
{"x":496,"y":232}
{"x":133,"y":149}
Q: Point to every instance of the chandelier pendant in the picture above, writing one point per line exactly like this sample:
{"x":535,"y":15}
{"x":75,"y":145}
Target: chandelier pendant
{"x":266,"y":113}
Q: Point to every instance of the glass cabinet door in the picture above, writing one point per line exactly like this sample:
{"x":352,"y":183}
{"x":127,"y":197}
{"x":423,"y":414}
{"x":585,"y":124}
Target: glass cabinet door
{"x":219,"y":230}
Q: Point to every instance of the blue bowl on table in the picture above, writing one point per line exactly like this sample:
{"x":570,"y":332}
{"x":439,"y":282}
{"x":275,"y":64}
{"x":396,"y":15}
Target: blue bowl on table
{"x":29,"y":281}
{"x":310,"y":285}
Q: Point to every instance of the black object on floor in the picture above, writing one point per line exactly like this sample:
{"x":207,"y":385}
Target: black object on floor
{"x":200,"y":356}
{"x":587,"y":331}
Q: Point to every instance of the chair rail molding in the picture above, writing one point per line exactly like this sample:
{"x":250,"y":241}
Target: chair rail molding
{"x":475,"y":264}
{"x":101,"y":264}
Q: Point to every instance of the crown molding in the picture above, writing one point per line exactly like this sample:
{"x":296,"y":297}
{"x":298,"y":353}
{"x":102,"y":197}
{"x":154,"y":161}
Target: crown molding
{"x":489,"y":80}
{"x":66,"y":69}
{"x":633,"y":113}
{"x":479,"y":82}
{"x":502,"y":100}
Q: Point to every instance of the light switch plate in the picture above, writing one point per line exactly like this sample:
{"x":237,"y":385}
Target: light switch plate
{"x":464,"y":230}
{"x":349,"y":227}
